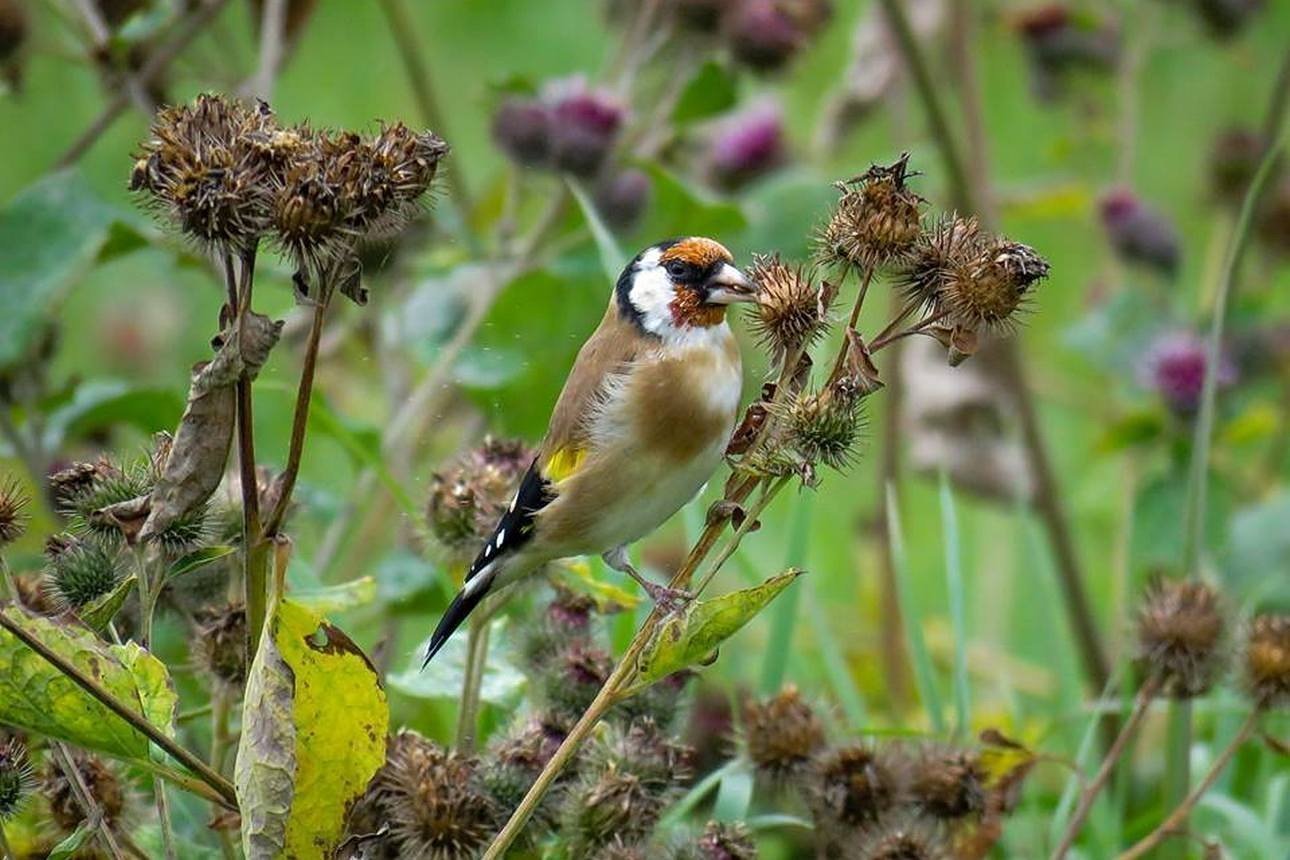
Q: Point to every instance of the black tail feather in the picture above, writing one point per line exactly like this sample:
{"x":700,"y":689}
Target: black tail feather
{"x":462,"y":605}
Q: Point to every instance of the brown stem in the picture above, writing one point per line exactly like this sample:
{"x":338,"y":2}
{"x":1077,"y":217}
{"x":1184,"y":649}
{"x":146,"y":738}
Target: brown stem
{"x":85,"y":800}
{"x":300,"y":418}
{"x":853,"y":320}
{"x":1145,"y":696}
{"x":1176,"y":822}
{"x":185,"y":32}
{"x":136,"y":720}
{"x":920,"y":328}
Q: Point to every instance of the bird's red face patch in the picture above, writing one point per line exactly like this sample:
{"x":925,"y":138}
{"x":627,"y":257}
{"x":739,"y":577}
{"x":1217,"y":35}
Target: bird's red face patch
{"x":699,"y":256}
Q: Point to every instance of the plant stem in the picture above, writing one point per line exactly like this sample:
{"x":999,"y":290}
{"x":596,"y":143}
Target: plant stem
{"x":5,"y":851}
{"x":300,"y":418}
{"x":93,"y":815}
{"x":185,"y":32}
{"x":1178,"y":736}
{"x":163,"y":817}
{"x":1177,"y":820}
{"x":135,"y":719}
{"x":1141,"y":704}
{"x":476,"y":659}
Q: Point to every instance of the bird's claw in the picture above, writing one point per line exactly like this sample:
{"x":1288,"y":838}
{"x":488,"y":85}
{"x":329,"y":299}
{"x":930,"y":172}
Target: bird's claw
{"x":668,"y":600}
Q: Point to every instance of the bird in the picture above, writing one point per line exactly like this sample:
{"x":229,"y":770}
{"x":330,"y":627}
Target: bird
{"x":641,"y":424}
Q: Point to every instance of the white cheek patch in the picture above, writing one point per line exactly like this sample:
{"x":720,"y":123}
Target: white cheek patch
{"x":652,"y":293}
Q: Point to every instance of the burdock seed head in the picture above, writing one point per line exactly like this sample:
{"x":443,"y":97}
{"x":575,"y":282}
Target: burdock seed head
{"x":903,"y":837}
{"x":877,"y":220}
{"x":467,"y":498}
{"x":948,"y":246}
{"x":13,"y":514}
{"x":987,"y":292}
{"x":1267,"y":661}
{"x":826,"y":426}
{"x":792,"y":311}
{"x":16,"y":780}
{"x":78,"y":571}
{"x":726,"y":841}
{"x":433,"y":801}
{"x":854,"y":785}
{"x":782,"y":734}
{"x":1181,"y":631}
{"x":105,"y":786}
{"x":947,"y":783}
{"x":219,"y":644}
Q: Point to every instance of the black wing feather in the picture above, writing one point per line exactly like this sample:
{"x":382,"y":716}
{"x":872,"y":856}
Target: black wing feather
{"x":513,"y":531}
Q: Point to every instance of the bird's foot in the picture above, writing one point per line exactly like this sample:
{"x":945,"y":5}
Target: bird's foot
{"x":668,"y":600}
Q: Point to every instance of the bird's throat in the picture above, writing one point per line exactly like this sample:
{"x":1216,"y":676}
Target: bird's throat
{"x":689,"y":310}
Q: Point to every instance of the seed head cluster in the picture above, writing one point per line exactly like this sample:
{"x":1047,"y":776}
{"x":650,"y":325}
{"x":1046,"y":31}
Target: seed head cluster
{"x":876,"y":221}
{"x":13,"y":514}
{"x":1181,"y":632}
{"x":16,"y":781}
{"x":227,"y":174}
{"x":1267,"y":661}
{"x":792,"y":311}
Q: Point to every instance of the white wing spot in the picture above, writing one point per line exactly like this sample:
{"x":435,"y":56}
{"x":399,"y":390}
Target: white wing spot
{"x":501,"y":538}
{"x":514,"y":501}
{"x":488,"y":550}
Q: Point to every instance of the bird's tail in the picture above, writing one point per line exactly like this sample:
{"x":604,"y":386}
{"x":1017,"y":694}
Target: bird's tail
{"x":464,"y":603}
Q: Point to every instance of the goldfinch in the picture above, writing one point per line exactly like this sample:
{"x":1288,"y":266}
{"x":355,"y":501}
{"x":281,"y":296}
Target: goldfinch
{"x":640,"y":426}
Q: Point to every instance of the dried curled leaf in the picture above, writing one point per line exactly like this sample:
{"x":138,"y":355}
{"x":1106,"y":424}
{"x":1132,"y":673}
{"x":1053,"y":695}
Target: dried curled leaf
{"x":197,"y":456}
{"x":690,"y":637}
{"x":314,"y":726}
{"x":36,"y":696}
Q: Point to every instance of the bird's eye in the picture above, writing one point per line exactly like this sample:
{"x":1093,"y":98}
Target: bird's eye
{"x":677,"y":269}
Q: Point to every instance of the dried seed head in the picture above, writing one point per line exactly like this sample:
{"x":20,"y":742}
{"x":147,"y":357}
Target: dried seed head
{"x":782,"y":734}
{"x":219,"y":644}
{"x":903,"y":837}
{"x":792,"y":312}
{"x":659,"y":703}
{"x":84,"y":492}
{"x":78,"y":572}
{"x":825,"y":427}
{"x":15,"y":777}
{"x":467,"y":499}
{"x":987,"y":292}
{"x":853,"y":786}
{"x":574,"y":676}
{"x":199,"y":167}
{"x":68,"y":483}
{"x":433,"y":801}
{"x":947,"y":783}
{"x":307,"y":217}
{"x":1181,"y":631}
{"x":103,"y":782}
{"x":34,"y":596}
{"x":726,"y":841}
{"x":746,"y":146}
{"x":1267,"y":661}
{"x":877,"y":220}
{"x":514,"y":762}
{"x":949,"y":245}
{"x":13,"y":514}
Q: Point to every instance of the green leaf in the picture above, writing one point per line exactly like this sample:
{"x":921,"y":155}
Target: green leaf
{"x":68,"y":847}
{"x":1130,"y":431}
{"x":99,"y":612}
{"x":104,"y":403}
{"x":197,"y":559}
{"x":50,"y":234}
{"x":314,"y":725}
{"x":35,"y":696}
{"x":690,"y":637}
{"x":675,"y":202}
{"x":337,"y":598}
{"x":502,"y":681}
{"x":711,"y":91}
{"x":1158,"y":513}
{"x":735,"y":794}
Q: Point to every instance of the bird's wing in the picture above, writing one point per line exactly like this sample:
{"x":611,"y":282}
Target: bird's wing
{"x":603,"y":362}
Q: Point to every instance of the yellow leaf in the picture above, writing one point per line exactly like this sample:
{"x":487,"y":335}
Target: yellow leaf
{"x":315,"y":721}
{"x":608,"y":596}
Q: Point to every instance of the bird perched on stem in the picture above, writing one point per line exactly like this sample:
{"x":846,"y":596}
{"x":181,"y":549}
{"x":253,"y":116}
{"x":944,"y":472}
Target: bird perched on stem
{"x":640,"y":426}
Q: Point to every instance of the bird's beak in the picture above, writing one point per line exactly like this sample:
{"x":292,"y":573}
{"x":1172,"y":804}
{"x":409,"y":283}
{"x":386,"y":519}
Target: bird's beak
{"x":727,"y":286}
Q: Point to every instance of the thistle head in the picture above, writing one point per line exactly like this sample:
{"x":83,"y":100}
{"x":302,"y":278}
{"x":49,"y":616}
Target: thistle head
{"x":219,"y":644}
{"x":1181,"y":630}
{"x":904,"y":837}
{"x":947,"y":783}
{"x":825,"y":427}
{"x":16,"y":781}
{"x":104,"y":784}
{"x":13,"y":514}
{"x":792,"y":312}
{"x":877,"y":220}
{"x":987,"y":292}
{"x":1267,"y":661}
{"x":854,"y":785}
{"x":468,"y":497}
{"x":722,"y":840}
{"x":78,"y":572}
{"x":745,"y":146}
{"x":782,"y":734}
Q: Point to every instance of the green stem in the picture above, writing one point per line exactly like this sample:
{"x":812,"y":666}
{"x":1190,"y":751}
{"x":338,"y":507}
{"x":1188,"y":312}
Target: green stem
{"x":135,"y":719}
{"x":163,"y":819}
{"x":85,"y":799}
{"x":472,"y":682}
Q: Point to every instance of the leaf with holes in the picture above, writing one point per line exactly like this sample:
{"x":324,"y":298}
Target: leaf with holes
{"x":314,"y":723}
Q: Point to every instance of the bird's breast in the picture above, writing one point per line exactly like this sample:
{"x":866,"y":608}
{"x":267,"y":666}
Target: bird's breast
{"x":684,"y":404}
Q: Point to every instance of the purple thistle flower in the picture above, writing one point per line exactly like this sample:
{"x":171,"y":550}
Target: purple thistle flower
{"x":585,"y":125}
{"x":763,"y":35}
{"x":621,"y":197}
{"x":522,"y":130}
{"x":1174,"y":367}
{"x":746,"y":145}
{"x":1139,"y":233}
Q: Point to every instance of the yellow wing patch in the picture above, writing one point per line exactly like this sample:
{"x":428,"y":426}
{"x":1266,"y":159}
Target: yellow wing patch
{"x":562,"y":463}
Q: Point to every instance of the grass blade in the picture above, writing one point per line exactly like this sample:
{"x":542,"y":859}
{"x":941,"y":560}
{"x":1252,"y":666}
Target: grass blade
{"x":784,"y":614}
{"x":954,"y":587}
{"x":924,"y":675}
